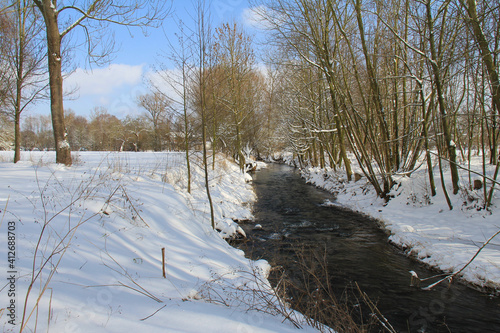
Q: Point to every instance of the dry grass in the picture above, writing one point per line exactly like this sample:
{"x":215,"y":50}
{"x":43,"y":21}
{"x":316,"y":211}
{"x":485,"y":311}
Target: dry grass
{"x":60,"y":208}
{"x":310,"y":292}
{"x":250,"y":291}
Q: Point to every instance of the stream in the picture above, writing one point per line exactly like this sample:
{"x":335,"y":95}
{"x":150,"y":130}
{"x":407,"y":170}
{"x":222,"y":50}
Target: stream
{"x":356,"y":250}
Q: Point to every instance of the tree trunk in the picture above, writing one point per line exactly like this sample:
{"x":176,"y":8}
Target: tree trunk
{"x":445,"y":123}
{"x":239,"y":148}
{"x":377,"y":101}
{"x":205,"y":155}
{"x":186,"y":122}
{"x":63,"y":150}
{"x":19,"y":87}
{"x":486,"y":54}
{"x":425,"y":134}
{"x":17,"y":137}
{"x":488,"y":61}
{"x":17,"y":112}
{"x":203,"y":36}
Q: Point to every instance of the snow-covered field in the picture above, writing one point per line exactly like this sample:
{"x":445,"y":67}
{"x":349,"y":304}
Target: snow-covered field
{"x":88,"y":239}
{"x":424,"y":225}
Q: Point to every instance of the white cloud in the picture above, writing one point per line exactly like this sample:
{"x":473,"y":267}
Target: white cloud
{"x":103,"y":81}
{"x":254,"y":17}
{"x":114,"y":87}
{"x":169,"y":82}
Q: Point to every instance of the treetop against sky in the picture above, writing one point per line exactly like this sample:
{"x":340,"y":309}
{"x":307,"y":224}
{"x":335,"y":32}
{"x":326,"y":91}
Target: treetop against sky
{"x":116,"y":85}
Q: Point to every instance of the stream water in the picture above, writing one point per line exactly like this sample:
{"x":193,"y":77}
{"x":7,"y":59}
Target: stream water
{"x":292,"y":215}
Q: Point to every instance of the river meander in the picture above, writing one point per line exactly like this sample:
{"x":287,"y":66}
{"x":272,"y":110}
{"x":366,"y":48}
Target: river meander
{"x":292,"y":214}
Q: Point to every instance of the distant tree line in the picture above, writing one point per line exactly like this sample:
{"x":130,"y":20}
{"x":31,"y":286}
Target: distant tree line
{"x":395,"y":85}
{"x":102,"y":131}
{"x":36,"y":40}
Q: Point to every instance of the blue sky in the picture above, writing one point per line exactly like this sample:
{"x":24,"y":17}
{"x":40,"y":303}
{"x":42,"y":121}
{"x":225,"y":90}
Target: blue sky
{"x":116,"y":85}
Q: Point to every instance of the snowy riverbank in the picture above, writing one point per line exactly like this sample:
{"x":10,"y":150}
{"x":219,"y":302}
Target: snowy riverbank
{"x":94,"y":233}
{"x":424,"y":226}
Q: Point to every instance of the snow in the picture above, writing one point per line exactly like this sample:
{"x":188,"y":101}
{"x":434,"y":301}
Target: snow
{"x":423,"y":225}
{"x":95,"y":231}
{"x":64,"y":144}
{"x":56,"y":58}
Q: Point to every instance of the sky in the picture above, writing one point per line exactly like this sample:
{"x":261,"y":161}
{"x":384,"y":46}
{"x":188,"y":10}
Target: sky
{"x":116,"y":85}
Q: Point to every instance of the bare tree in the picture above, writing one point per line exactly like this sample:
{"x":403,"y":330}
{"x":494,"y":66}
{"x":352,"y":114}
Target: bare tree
{"x":397,"y":82}
{"x":374,"y":83}
{"x":106,"y":131}
{"x":312,"y":30}
{"x":269,"y":138}
{"x":185,"y":67}
{"x":234,"y":57}
{"x":157,"y":107}
{"x":94,"y":17}
{"x":25,"y":59}
{"x":36,"y":132}
{"x":179,"y":79}
{"x":136,"y":130}
{"x":78,"y":130}
{"x":488,"y":53}
{"x":7,"y":31}
{"x":202,"y":36}
{"x":6,"y":133}
{"x":436,"y":51}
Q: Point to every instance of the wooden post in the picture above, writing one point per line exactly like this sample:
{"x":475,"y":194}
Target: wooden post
{"x":163,"y":261}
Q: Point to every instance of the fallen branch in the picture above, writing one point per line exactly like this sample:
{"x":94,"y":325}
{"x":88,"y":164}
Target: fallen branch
{"x":124,"y":273}
{"x":5,"y":210}
{"x":132,"y":205}
{"x":451,"y":276}
{"x":151,"y":315}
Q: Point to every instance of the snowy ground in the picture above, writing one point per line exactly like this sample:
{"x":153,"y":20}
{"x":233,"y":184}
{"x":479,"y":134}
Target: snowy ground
{"x":424,"y":225}
{"x":90,"y":238}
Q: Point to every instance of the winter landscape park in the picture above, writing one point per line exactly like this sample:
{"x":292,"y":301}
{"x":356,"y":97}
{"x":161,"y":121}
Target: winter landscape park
{"x":249,"y":166}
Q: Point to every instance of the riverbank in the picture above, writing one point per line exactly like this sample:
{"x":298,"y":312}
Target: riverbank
{"x":347,"y":250}
{"x":120,"y":245}
{"x":424,"y":227}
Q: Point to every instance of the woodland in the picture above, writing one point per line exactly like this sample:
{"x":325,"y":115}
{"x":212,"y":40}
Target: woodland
{"x":403,"y":94}
{"x":394,"y":85}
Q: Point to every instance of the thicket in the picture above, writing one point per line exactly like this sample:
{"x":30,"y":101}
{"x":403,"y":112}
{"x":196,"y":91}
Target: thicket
{"x":392,"y":82}
{"x":394,"y":85}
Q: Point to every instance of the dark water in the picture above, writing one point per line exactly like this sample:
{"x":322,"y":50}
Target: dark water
{"x":292,"y":215}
